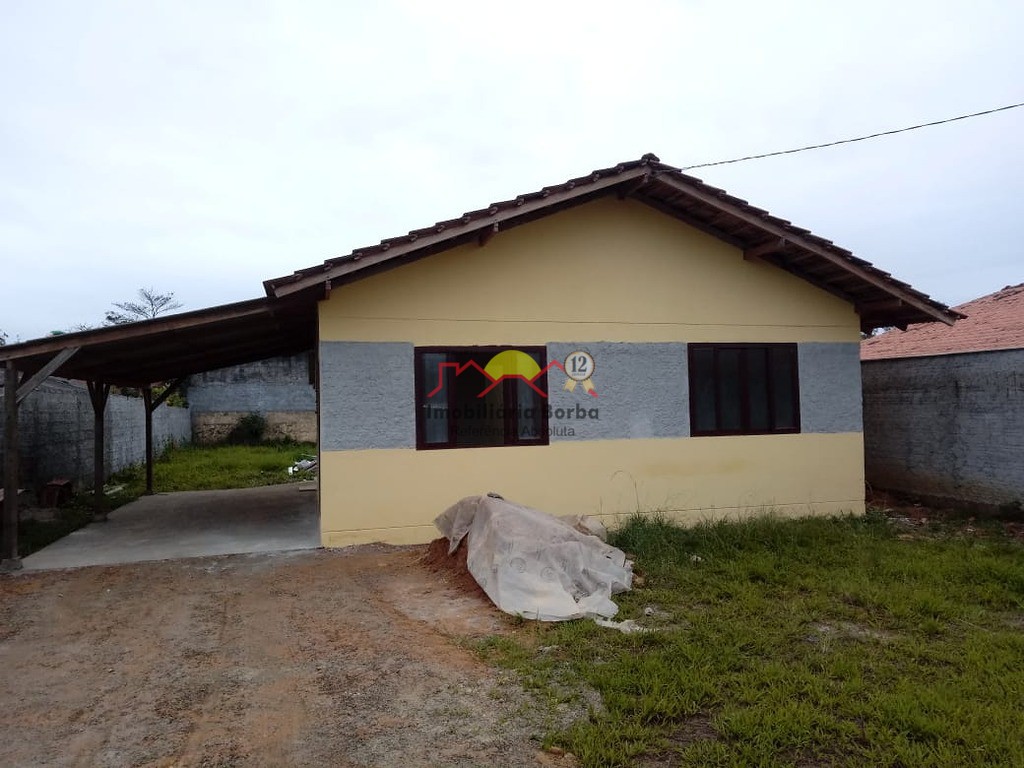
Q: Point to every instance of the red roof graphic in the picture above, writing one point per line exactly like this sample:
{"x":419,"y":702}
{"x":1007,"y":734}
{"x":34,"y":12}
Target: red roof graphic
{"x":460,"y":369}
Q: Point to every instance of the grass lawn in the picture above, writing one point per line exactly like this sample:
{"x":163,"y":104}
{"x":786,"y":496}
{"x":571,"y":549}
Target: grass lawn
{"x":807,"y":642}
{"x":181,"y":468}
{"x":215,"y":467}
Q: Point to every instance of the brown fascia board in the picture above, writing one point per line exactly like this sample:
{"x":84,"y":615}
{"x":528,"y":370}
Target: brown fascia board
{"x":284,"y":286}
{"x":763,"y":221}
{"x":200,"y":317}
{"x":433,"y":239}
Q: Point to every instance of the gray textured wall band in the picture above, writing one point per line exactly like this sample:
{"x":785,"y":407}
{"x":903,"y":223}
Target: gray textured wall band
{"x":643,"y":392}
{"x":830,"y":393}
{"x":368,"y":392}
{"x":280,"y":384}
{"x":367,"y":395}
{"x":950,"y":425}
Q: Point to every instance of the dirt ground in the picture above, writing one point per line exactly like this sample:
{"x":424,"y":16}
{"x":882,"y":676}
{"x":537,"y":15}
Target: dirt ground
{"x":303,"y":658}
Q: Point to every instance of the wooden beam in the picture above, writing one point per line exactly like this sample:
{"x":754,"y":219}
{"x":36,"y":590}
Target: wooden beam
{"x":634,"y":186}
{"x":147,"y":401}
{"x":45,"y":372}
{"x":771,"y":228}
{"x":140,"y":374}
{"x":692,"y":221}
{"x":169,"y":390}
{"x":486,"y":234}
{"x":99,"y":391}
{"x":172,"y":346}
{"x":442,"y":238}
{"x":758,"y":252}
{"x":777,"y":261}
{"x":9,"y":557}
{"x":240,"y":311}
{"x":881,"y":305}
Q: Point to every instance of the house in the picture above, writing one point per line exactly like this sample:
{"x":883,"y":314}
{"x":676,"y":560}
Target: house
{"x":630,"y":340}
{"x":944,"y":407}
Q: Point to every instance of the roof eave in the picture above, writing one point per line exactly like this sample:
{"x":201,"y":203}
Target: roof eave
{"x":766,"y":223}
{"x":366,"y":258}
{"x":878,"y":297}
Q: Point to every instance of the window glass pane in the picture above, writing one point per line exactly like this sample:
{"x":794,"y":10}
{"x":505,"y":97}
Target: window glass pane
{"x":470,"y":409}
{"x":477,"y":420}
{"x":729,"y":389}
{"x":702,"y":385}
{"x":529,"y":411}
{"x":434,"y":410}
{"x":530,"y":405}
{"x":757,"y":389}
{"x":783,"y":365}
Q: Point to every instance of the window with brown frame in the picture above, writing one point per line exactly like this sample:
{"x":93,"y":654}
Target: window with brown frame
{"x":744,"y":389}
{"x":459,"y":406}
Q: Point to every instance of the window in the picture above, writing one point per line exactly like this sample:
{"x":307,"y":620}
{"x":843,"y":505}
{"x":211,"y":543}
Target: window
{"x":744,"y":389}
{"x":473,"y":397}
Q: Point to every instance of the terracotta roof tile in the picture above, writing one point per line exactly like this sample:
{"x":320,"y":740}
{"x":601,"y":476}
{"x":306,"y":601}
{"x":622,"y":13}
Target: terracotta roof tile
{"x":993,"y":322}
{"x":884,"y":299}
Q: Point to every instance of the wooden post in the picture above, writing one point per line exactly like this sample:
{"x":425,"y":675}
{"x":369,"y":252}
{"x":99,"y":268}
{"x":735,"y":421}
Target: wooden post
{"x":98,"y":392}
{"x":10,"y":560}
{"x":147,"y":399}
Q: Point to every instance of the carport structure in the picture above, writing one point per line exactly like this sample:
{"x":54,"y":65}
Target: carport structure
{"x":142,"y":355}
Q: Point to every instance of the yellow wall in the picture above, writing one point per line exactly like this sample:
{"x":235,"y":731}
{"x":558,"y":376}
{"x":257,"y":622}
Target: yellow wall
{"x":394,"y":495}
{"x":607,"y":271}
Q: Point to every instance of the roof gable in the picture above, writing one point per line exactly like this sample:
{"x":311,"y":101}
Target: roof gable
{"x":879,"y":298}
{"x":619,"y":269}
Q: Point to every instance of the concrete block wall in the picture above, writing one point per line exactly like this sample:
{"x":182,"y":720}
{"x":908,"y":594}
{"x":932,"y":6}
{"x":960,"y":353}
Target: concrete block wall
{"x":947,"y":426}
{"x":55,"y":426}
{"x":278,"y":388}
{"x":125,"y":426}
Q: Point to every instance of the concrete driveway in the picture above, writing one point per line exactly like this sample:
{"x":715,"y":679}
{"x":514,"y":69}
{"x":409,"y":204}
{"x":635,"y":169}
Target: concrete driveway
{"x":192,"y":524}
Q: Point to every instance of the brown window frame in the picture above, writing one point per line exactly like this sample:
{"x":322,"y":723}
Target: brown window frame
{"x":509,"y":393}
{"x":744,"y":390}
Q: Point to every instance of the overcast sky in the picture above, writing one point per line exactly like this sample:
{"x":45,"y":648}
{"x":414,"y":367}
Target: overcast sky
{"x":201,"y":148}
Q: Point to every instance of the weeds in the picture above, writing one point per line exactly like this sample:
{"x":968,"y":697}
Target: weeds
{"x":784,"y":642}
{"x":210,"y":468}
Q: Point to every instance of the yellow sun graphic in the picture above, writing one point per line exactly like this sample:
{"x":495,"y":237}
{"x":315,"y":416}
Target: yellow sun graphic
{"x":512,"y":362}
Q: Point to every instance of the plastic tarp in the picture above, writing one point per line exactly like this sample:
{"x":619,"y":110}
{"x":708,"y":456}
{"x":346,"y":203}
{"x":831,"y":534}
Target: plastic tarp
{"x":535,"y":565}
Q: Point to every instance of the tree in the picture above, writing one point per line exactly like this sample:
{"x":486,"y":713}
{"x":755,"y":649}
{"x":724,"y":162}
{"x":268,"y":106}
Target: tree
{"x":150,"y":305}
{"x":3,"y":338}
{"x":73,"y":329}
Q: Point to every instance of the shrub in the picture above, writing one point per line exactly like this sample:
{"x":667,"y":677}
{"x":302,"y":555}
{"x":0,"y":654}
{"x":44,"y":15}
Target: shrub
{"x":248,"y":431}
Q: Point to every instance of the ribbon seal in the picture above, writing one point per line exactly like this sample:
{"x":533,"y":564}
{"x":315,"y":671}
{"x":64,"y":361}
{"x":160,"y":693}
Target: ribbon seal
{"x":579,"y":369}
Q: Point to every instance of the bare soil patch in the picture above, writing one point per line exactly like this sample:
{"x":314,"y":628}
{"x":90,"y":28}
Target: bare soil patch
{"x":306,"y":658}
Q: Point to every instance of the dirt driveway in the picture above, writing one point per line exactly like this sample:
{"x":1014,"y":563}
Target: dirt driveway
{"x":304,"y":658}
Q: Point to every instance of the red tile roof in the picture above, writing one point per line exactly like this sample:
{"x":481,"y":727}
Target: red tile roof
{"x":879,"y":298}
{"x":993,"y":322}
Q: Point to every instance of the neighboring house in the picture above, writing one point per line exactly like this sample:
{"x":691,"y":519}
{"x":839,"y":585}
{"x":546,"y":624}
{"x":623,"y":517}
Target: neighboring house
{"x":280,"y":389}
{"x":944,"y":407}
{"x":631,"y":340}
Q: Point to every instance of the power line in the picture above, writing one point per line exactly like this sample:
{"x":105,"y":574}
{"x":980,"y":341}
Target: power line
{"x":850,"y":141}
